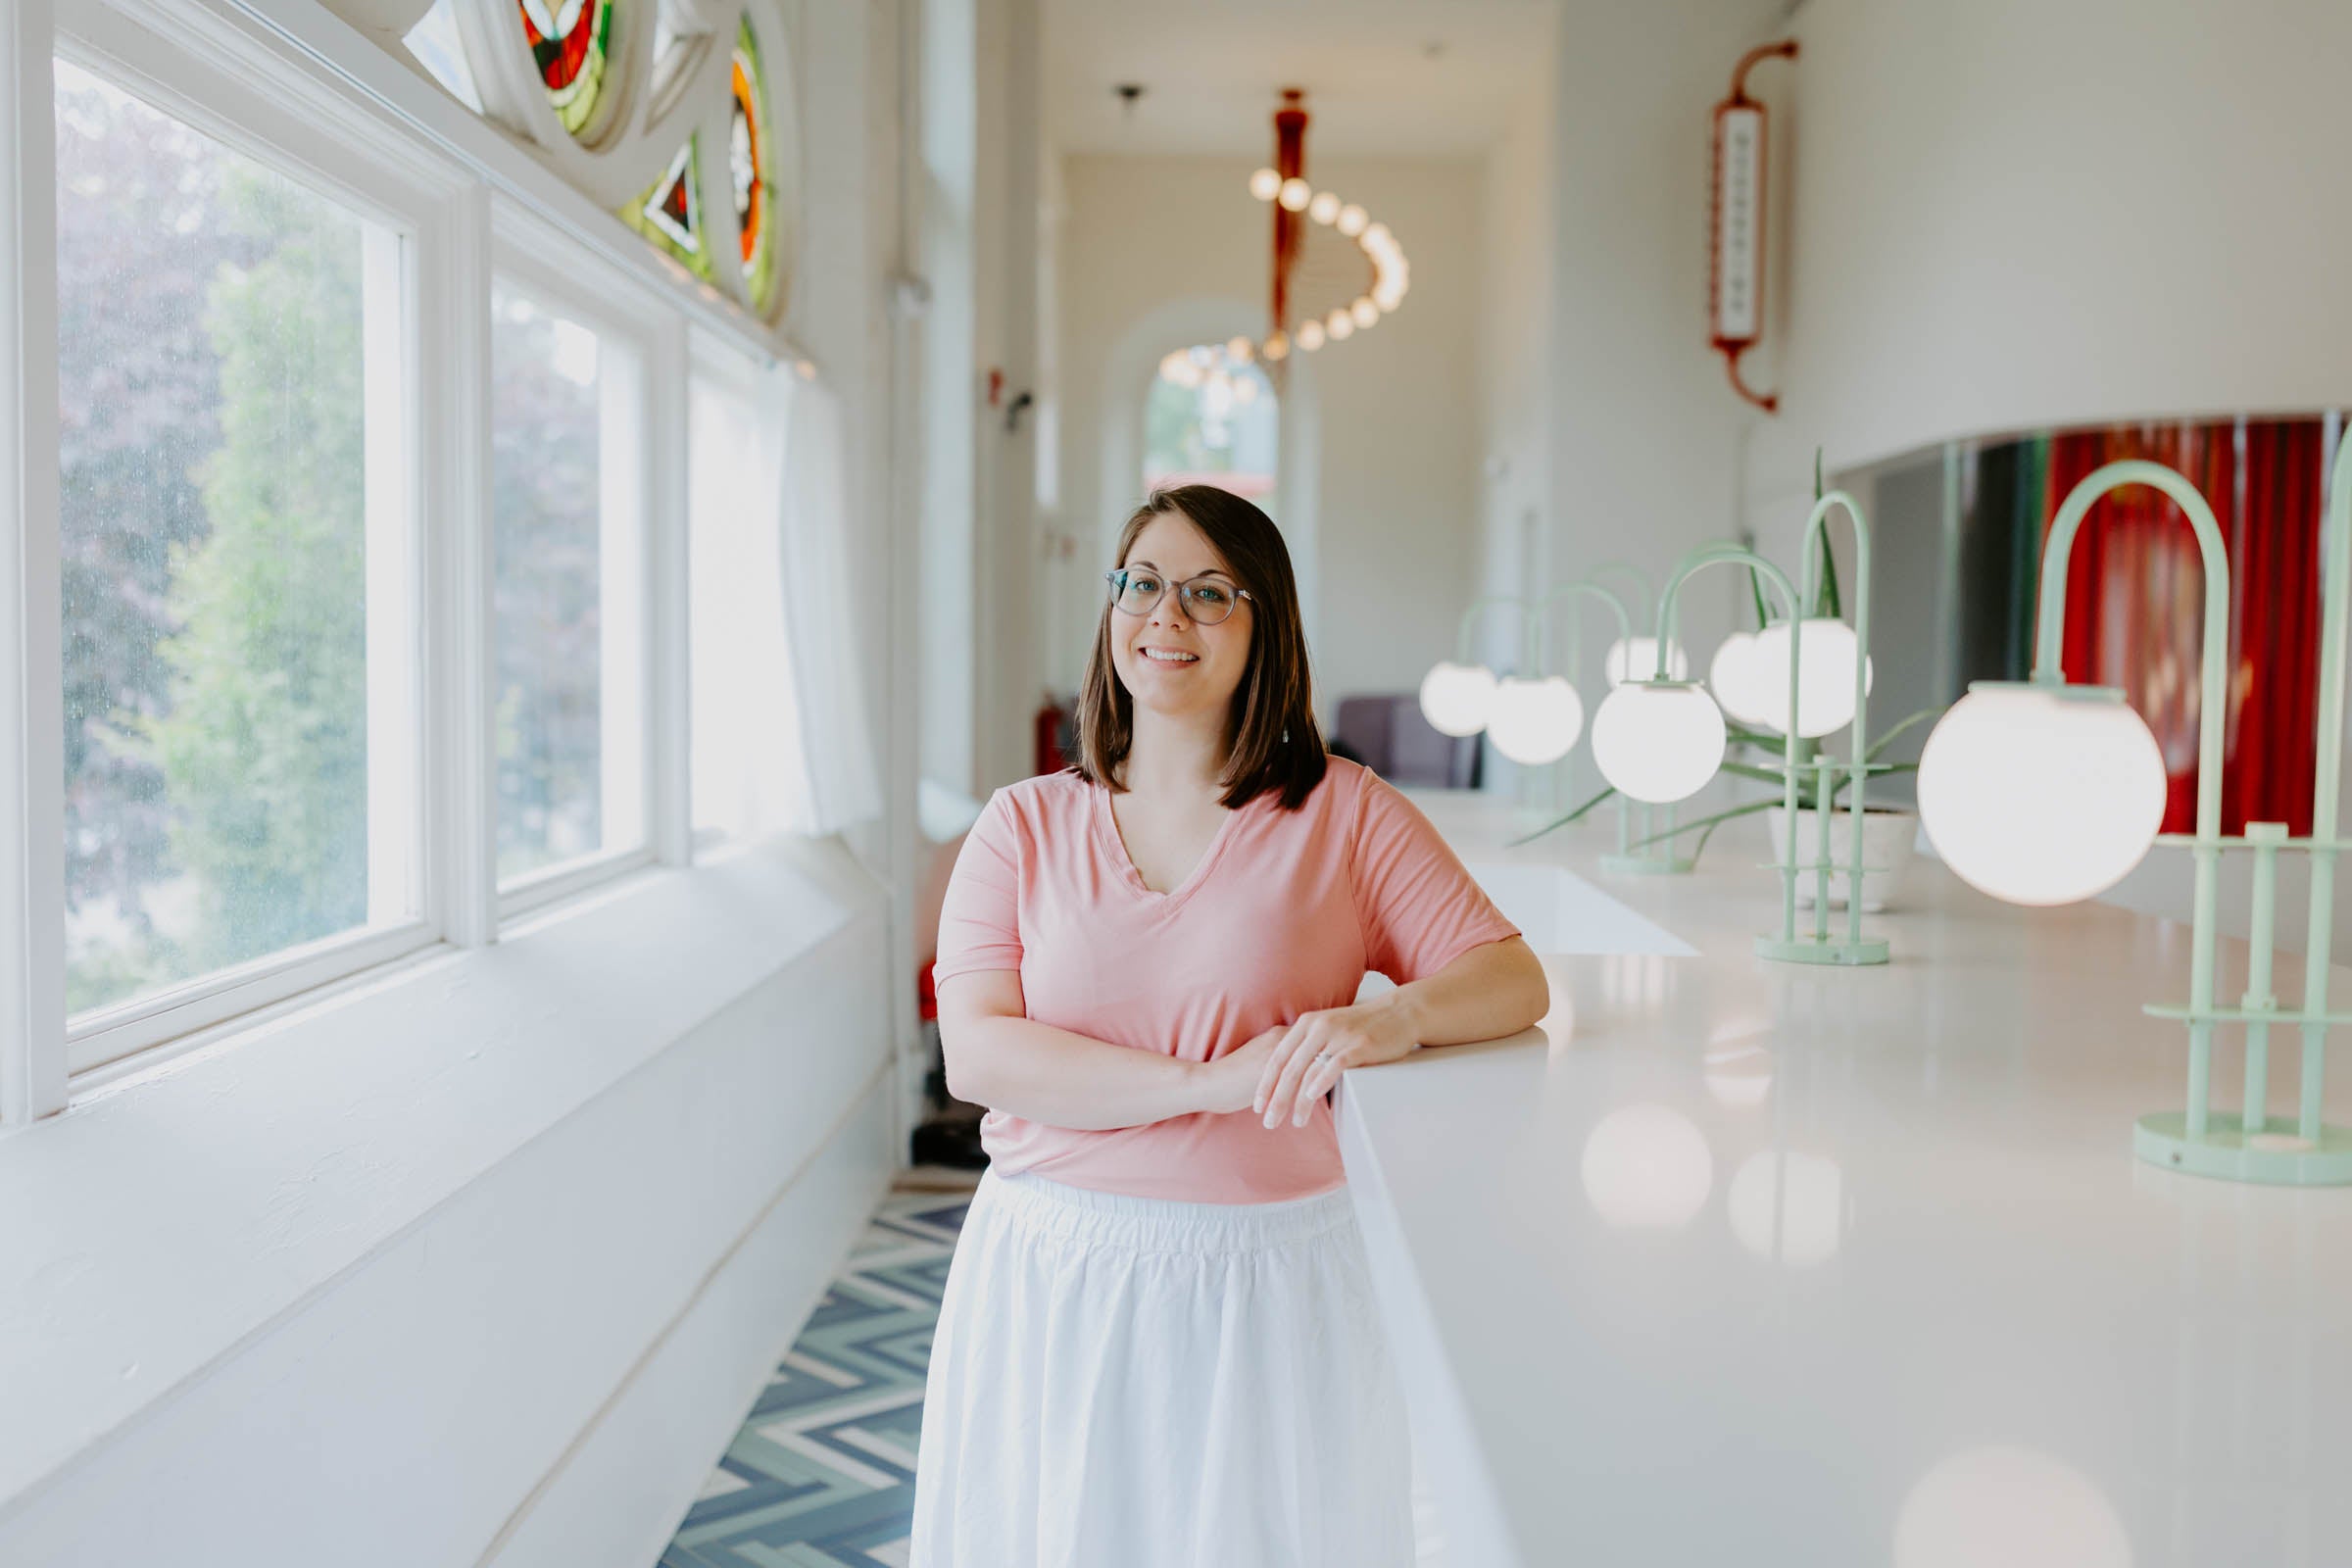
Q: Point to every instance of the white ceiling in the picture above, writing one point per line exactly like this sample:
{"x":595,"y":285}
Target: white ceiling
{"x":1429,"y":77}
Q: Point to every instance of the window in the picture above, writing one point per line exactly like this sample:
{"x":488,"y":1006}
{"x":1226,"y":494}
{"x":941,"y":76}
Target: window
{"x":746,"y":760}
{"x":568,"y":588}
{"x":1211,"y":418}
{"x":239,"y":708}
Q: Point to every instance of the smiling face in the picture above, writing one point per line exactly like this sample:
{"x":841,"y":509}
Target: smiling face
{"x":1170,"y":663}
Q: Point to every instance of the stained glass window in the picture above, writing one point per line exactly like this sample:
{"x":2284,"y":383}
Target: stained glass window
{"x":671,"y":211}
{"x":748,"y":164}
{"x":571,"y":40}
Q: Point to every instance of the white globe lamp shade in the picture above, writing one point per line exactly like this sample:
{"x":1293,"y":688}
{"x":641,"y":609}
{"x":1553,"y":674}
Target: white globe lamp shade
{"x":1536,"y":721}
{"x":1637,"y":659}
{"x":1295,"y":194}
{"x":1456,"y":699}
{"x":1323,"y":207}
{"x":2041,"y":795}
{"x":1658,"y":743}
{"x":1825,"y":652}
{"x":1736,"y":676}
{"x":1265,"y":184}
{"x":1352,"y":218}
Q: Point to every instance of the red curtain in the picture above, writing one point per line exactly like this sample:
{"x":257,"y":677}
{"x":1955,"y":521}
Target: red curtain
{"x":2137,"y":590}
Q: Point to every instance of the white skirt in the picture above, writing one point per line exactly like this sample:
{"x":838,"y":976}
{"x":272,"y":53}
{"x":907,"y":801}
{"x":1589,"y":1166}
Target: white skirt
{"x":1133,"y":1383}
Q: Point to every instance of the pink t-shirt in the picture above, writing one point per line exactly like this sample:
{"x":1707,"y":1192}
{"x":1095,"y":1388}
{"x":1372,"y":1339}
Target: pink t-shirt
{"x":1284,"y":915}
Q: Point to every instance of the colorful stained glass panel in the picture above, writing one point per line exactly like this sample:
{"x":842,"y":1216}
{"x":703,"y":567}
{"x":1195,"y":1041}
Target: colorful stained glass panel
{"x":571,"y":42}
{"x":747,"y":165}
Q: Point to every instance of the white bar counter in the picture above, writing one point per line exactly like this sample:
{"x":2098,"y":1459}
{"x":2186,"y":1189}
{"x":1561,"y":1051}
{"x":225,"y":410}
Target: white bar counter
{"x":1734,"y":1262}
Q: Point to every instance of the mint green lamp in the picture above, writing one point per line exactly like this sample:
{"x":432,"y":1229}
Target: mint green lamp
{"x":2073,"y":824}
{"x":1540,"y":617}
{"x":1651,"y":850}
{"x":1662,"y":739}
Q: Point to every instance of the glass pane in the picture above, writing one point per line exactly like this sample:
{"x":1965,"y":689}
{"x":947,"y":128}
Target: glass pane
{"x":1211,"y":418}
{"x":212,"y":379}
{"x":546,"y":429}
{"x":746,"y":765}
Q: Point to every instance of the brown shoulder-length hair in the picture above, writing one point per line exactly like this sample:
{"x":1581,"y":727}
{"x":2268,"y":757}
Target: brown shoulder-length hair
{"x":1272,"y":743}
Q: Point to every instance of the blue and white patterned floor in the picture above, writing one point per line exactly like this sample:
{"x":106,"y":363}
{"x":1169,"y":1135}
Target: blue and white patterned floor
{"x":822,"y":1473}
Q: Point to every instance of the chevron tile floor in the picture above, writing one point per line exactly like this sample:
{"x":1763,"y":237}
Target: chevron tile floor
{"x":822,"y":1473}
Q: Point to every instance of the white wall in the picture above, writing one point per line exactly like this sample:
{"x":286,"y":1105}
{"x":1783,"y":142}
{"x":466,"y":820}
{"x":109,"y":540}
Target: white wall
{"x":372,"y":1285}
{"x":1393,"y":548}
{"x":2017,"y":212}
{"x":482,"y":1260}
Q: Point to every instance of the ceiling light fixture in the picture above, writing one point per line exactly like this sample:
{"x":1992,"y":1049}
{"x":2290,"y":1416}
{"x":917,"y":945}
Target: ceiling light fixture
{"x":1284,"y":185}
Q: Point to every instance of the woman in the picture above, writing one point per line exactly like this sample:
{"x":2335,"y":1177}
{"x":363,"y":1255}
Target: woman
{"x":1157,"y":1347}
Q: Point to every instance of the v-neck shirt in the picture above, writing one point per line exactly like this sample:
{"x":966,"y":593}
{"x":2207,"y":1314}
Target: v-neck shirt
{"x":1284,"y":913}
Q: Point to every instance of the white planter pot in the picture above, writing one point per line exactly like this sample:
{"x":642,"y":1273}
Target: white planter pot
{"x":1887,"y":842}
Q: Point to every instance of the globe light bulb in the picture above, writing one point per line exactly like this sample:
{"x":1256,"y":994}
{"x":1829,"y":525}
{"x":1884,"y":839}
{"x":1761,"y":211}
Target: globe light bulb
{"x":1239,"y":349}
{"x":1324,"y":207}
{"x":1456,"y":699}
{"x":1736,"y":676}
{"x":1265,"y":184}
{"x":1365,"y":312}
{"x":1535,"y":722}
{"x":1637,"y":659}
{"x":2041,"y":795}
{"x":1351,"y":219}
{"x":1339,"y":324}
{"x":1278,"y":347}
{"x":1295,"y":194}
{"x":1310,"y":336}
{"x":1658,"y":743}
{"x":1825,"y":652}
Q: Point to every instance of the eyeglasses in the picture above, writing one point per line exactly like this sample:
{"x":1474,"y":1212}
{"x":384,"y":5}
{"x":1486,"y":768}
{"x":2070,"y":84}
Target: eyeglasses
{"x":1207,"y":598}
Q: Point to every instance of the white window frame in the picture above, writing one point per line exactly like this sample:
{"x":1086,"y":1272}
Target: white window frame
{"x":264,"y":77}
{"x":178,"y":74}
{"x":585,"y":292}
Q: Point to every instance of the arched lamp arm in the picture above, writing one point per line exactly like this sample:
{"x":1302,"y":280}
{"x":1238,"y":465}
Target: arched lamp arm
{"x":1816,"y":532}
{"x":1469,"y":626}
{"x":1540,"y":618}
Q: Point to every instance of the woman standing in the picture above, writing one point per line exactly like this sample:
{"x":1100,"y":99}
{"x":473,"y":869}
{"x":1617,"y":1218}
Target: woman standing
{"x":1157,"y":1347}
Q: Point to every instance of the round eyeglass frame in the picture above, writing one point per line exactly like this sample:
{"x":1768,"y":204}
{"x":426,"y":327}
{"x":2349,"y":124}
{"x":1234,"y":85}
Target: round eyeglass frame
{"x":1185,"y":592}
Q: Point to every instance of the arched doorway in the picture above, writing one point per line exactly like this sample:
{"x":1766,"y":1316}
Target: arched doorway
{"x":1212,"y":416}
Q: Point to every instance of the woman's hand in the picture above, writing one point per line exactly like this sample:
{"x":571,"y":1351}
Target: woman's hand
{"x":1310,"y":1054}
{"x":1230,"y":1081}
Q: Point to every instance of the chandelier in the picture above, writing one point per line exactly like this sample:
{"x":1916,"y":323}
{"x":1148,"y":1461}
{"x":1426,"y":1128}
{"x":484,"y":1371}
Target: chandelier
{"x":1370,"y":266}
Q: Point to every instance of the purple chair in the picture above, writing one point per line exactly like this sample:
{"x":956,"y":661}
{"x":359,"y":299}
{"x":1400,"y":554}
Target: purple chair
{"x":1389,"y":735}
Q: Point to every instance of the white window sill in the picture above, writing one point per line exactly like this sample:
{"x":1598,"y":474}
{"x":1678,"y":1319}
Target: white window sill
{"x":174,"y":1210}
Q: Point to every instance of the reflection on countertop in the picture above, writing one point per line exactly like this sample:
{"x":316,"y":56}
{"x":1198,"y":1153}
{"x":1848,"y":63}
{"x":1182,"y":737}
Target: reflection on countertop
{"x":1735,"y":1261}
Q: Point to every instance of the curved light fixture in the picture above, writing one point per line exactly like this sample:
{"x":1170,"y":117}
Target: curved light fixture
{"x":1637,"y":659}
{"x":1827,"y":649}
{"x":1535,"y":722}
{"x":1456,"y":699}
{"x":1740,"y":678}
{"x":1659,"y":741}
{"x":2041,"y":795}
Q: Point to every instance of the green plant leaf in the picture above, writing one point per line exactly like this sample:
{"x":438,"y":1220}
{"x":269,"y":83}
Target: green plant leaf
{"x":1709,"y":823}
{"x":1572,"y":817}
{"x":1888,"y":739}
